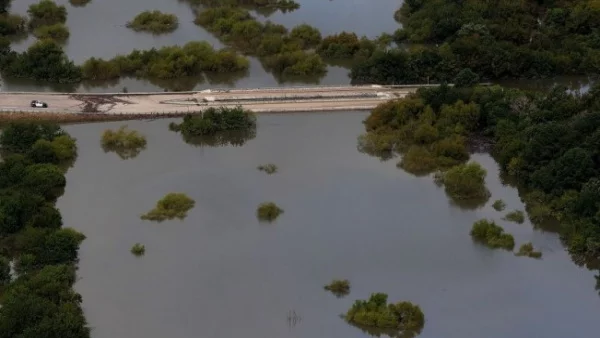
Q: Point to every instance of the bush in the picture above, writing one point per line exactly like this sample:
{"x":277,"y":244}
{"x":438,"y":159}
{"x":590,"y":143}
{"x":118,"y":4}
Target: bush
{"x":516,"y":216}
{"x":126,"y":143}
{"x":216,"y":120}
{"x":46,"y":13}
{"x":268,"y":212}
{"x":492,"y":235}
{"x":173,"y":205}
{"x":499,"y":205}
{"x":5,"y":276}
{"x":466,"y":182}
{"x":268,"y":168}
{"x":154,"y":21}
{"x":11,"y":24}
{"x":418,"y":161}
{"x":338,"y":287}
{"x":58,"y":32}
{"x":138,"y":249}
{"x":528,"y":250}
{"x":402,"y":317}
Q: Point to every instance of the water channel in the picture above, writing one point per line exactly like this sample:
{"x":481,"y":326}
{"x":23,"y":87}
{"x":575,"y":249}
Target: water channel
{"x":221,"y":273}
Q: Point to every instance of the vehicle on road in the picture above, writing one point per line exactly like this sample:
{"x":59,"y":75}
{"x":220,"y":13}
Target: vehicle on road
{"x":38,"y":104}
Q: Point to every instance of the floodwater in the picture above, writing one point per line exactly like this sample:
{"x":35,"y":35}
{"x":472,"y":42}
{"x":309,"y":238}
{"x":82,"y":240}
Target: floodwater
{"x":98,"y":30}
{"x":221,"y":273}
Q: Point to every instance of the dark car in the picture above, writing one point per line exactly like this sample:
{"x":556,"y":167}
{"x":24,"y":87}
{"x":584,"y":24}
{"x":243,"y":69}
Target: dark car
{"x":38,"y":104}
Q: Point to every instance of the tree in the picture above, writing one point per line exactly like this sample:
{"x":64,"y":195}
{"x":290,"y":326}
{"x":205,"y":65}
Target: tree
{"x":19,"y":137}
{"x":5,"y":276}
{"x":309,"y":36}
{"x":43,"y":152}
{"x":466,"y":78}
{"x":16,"y":209}
{"x":46,"y":13}
{"x":44,"y":179}
{"x":466,"y":181}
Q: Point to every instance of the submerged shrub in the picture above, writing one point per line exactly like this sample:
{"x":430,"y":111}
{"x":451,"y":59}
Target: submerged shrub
{"x":401,"y":317}
{"x":154,"y":21}
{"x":58,"y":32}
{"x":465,"y":182}
{"x":338,"y":287}
{"x":45,"y":13}
{"x":126,"y":143}
{"x":268,"y":168}
{"x":499,"y":205}
{"x":528,"y":250}
{"x":492,"y":235}
{"x":215,"y":120}
{"x":138,"y":249}
{"x":418,"y":161}
{"x":173,"y":205}
{"x":516,"y":216}
{"x":268,"y":212}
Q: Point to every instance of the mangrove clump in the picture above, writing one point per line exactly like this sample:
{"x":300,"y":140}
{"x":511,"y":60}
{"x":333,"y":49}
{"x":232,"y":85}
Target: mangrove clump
{"x":58,"y":32}
{"x":268,"y":168}
{"x":376,"y":313}
{"x":499,"y":205}
{"x":516,"y":216}
{"x":339,"y":287}
{"x":465,"y":182}
{"x":268,"y":212}
{"x":492,"y":235}
{"x":216,"y":120}
{"x":528,"y":250}
{"x":138,"y":249}
{"x":173,"y":205}
{"x":154,"y":22}
{"x":124,"y":142}
{"x":46,"y":13}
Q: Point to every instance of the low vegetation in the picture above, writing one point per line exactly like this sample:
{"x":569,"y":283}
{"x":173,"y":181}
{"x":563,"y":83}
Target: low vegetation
{"x":11,"y":25}
{"x":338,"y":287}
{"x":46,"y":13}
{"x":173,"y":205}
{"x":491,"y":235}
{"x":268,"y":168}
{"x":58,"y":32}
{"x":465,"y":182}
{"x":528,"y":250}
{"x":138,"y":249}
{"x":124,"y":142}
{"x":499,"y":205}
{"x":395,"y":319}
{"x":516,"y":216}
{"x":268,"y":212}
{"x":37,"y":295}
{"x":216,"y":120}
{"x":154,"y":22}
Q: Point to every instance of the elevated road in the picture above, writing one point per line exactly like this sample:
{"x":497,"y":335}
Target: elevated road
{"x":258,"y":100}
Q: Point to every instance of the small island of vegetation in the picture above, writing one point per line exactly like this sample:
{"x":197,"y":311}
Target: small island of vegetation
{"x":528,"y":251}
{"x":215,"y":120}
{"x":154,"y":22}
{"x":499,"y":205}
{"x":516,"y":216}
{"x":268,"y":168}
{"x":395,"y":319}
{"x":138,"y":249}
{"x":79,"y":3}
{"x":492,"y":235}
{"x":58,"y":32}
{"x":125,"y":143}
{"x":46,"y":13}
{"x":268,"y":212}
{"x":465,"y":182}
{"x":338,"y":287}
{"x":173,"y":205}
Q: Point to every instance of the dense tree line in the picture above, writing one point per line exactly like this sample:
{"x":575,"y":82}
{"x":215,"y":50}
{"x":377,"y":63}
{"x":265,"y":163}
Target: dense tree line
{"x":548,"y":142}
{"x":283,"y":5}
{"x":38,"y":299}
{"x":495,"y":39}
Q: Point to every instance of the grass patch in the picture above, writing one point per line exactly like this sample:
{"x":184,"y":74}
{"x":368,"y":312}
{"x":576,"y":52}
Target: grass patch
{"x":173,"y":205}
{"x":516,"y":216}
{"x":268,"y":212}
{"x":268,"y":168}
{"x":338,"y":287}
{"x":154,"y":22}
{"x":528,"y":250}
{"x":124,"y":142}
{"x":499,"y":205}
{"x":492,"y":235}
{"x":138,"y":249}
{"x":376,"y":313}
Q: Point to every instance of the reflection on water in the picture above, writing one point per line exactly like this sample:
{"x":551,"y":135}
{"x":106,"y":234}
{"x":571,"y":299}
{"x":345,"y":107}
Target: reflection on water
{"x":236,"y":138}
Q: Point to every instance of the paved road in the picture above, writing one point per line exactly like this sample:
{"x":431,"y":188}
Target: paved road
{"x":258,"y":100}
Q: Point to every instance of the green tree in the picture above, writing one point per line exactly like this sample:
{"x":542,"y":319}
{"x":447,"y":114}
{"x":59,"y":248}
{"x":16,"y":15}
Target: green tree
{"x":43,"y":152}
{"x":466,"y":181}
{"x":19,"y":137}
{"x":5,"y":276}
{"x":45,"y":13}
{"x":44,"y":179}
{"x":16,"y":209}
{"x":309,"y":36}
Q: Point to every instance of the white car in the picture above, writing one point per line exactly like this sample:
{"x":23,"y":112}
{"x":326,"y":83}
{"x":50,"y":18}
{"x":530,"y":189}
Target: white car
{"x":38,"y":104}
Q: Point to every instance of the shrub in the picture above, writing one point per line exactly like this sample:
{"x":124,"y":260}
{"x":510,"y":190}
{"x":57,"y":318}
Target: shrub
{"x":5,"y":276}
{"x":528,"y":250}
{"x":466,"y":182}
{"x":268,"y":168}
{"x":402,"y":317}
{"x":268,"y":212}
{"x":154,"y":21}
{"x":215,"y":120}
{"x":45,"y":13}
{"x":173,"y":205}
{"x":418,"y":161}
{"x":11,"y":24}
{"x":499,"y":205}
{"x":492,"y":235}
{"x":126,"y":143}
{"x":138,"y":249}
{"x":58,"y":32}
{"x":516,"y":216}
{"x":338,"y":287}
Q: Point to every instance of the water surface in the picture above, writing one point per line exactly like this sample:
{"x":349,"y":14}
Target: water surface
{"x":221,"y":273}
